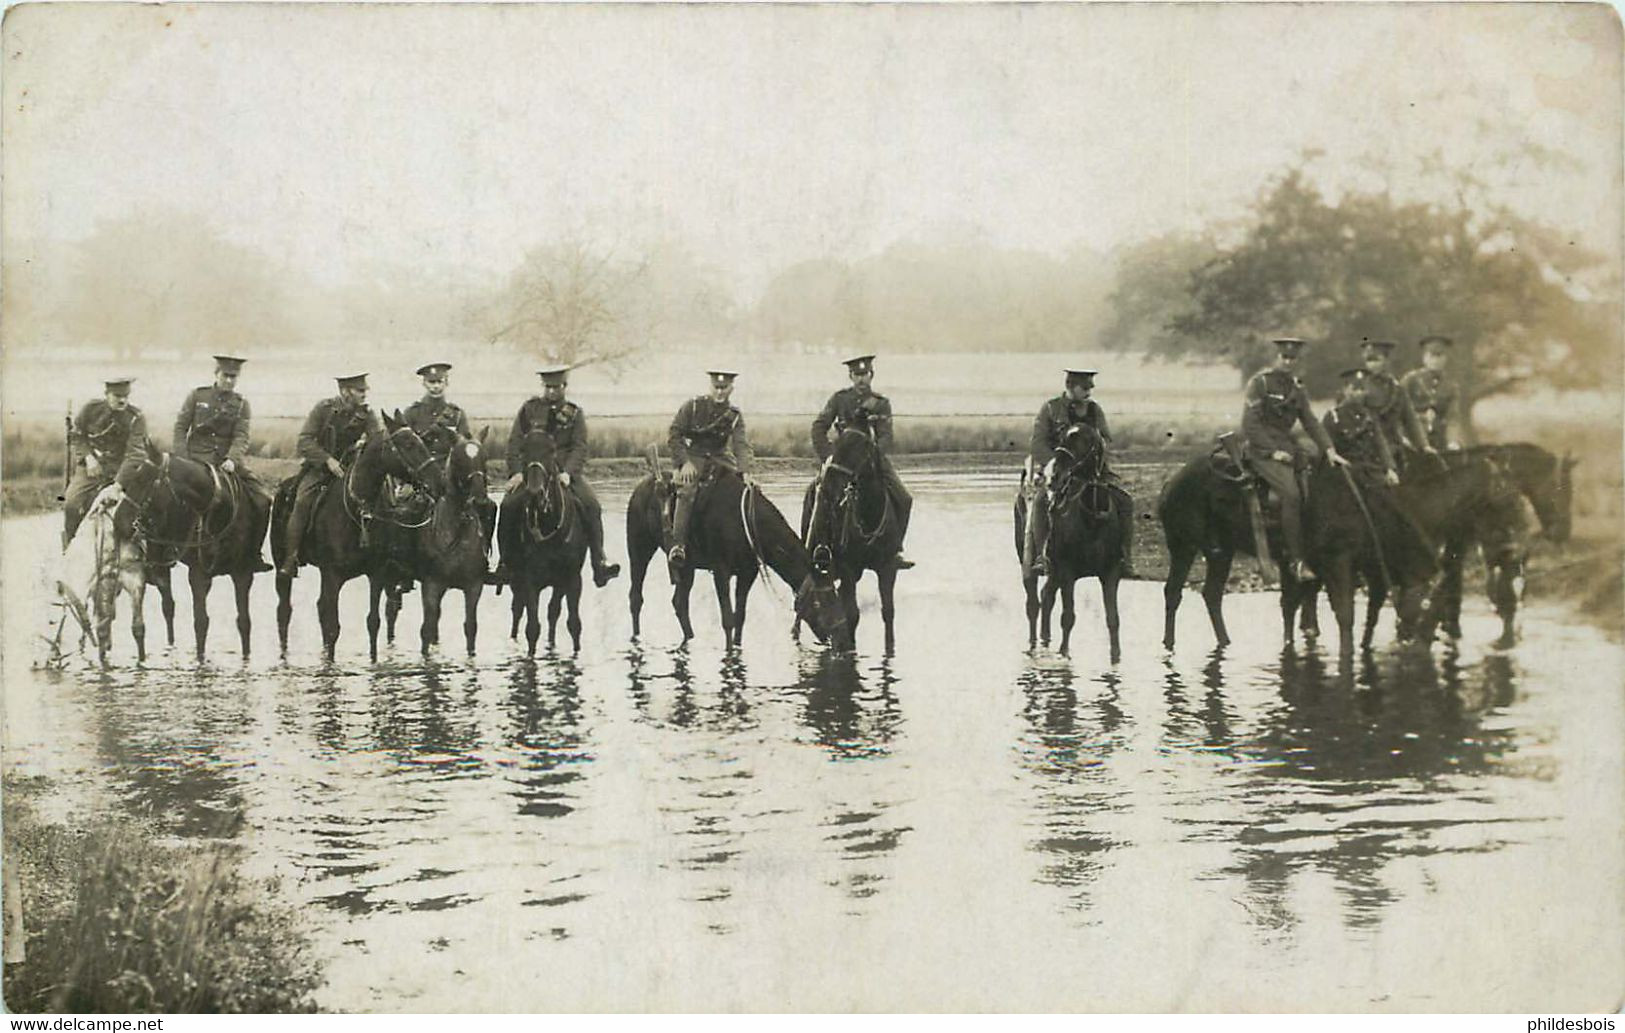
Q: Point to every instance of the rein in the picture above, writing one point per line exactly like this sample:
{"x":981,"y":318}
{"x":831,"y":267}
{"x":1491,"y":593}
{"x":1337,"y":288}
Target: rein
{"x":220,"y":486}
{"x":534,"y":512}
{"x":351,"y":498}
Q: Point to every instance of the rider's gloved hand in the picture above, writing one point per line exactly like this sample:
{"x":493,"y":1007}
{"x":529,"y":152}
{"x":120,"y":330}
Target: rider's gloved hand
{"x":334,"y":468}
{"x":1430,"y":450}
{"x":687,"y":474}
{"x":515,"y":481}
{"x":1048,"y":473}
{"x":228,"y":466}
{"x":1282,"y":456}
{"x":1335,"y":458}
{"x":1392,"y":477}
{"x":93,"y":466}
{"x":564,"y":478}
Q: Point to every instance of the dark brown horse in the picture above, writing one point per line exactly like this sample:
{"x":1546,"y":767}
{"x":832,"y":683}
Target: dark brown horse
{"x":334,"y":541}
{"x":552,"y":546}
{"x":850,"y":524}
{"x":1088,"y":518}
{"x":450,"y":551}
{"x":1203,"y":510}
{"x":207,"y":519}
{"x":735,"y":532}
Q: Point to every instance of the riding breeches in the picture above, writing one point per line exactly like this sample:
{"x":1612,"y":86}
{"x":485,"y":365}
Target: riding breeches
{"x":592,"y":515}
{"x":899,"y":495}
{"x":82,"y":491}
{"x":1283,"y":481}
{"x":683,"y":512}
{"x":305,"y":493}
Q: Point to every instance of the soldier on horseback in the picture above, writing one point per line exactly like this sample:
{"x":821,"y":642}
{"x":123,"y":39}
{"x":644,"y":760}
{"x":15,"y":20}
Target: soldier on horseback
{"x":1075,"y":405}
{"x":860,"y":407}
{"x":566,"y":424}
{"x":441,"y":423}
{"x":331,"y":436}
{"x":1275,"y":400}
{"x":708,"y":432}
{"x":1390,"y":404}
{"x":212,"y":427}
{"x":1432,"y":396}
{"x":109,"y":430}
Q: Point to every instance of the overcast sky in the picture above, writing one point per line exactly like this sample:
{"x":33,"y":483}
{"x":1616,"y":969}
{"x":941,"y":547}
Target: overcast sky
{"x":340,"y":139}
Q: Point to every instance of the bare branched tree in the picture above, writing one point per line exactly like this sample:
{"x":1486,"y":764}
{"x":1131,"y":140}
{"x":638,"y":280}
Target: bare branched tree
{"x":568,"y":302}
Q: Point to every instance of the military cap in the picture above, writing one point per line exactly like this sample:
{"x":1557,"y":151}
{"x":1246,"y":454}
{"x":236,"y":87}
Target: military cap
{"x":120,"y":386}
{"x":1382,"y":346}
{"x":436,"y":370}
{"x":724,"y":376}
{"x":353,"y":380}
{"x":860,"y":363}
{"x":1353,"y":376}
{"x":1289,"y":344}
{"x":229,"y":363}
{"x":1086,"y":373}
{"x":556,"y":372}
{"x":1436,"y":339}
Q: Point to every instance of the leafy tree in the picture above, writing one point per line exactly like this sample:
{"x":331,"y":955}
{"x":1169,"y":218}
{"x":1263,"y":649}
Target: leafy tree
{"x":568,"y":302}
{"x":1521,"y":299}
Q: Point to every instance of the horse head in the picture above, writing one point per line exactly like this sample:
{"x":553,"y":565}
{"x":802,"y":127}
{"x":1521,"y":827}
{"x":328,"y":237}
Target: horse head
{"x":465,"y":467}
{"x":819,"y":606}
{"x":406,"y":456}
{"x":540,"y":454}
{"x":1082,"y":451}
{"x":853,"y":459}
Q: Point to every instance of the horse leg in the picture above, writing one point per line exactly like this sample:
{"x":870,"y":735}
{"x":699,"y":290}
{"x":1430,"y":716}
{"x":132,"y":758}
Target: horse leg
{"x":1029,"y":585}
{"x":242,"y":584}
{"x":106,"y":599}
{"x":138,"y":619}
{"x":555,"y":604}
{"x":517,"y":605}
{"x":1309,"y":610}
{"x":429,"y":632}
{"x":1376,"y":593}
{"x":1047,"y":606}
{"x":375,"y":591}
{"x":638,"y":555}
{"x":327,"y":610}
{"x":849,"y":604}
{"x":284,"y":611}
{"x":1340,"y":593}
{"x":1213,"y":581}
{"x":887,"y":578}
{"x":166,"y":601}
{"x":1291,"y":596}
{"x":392,"y":610}
{"x":572,"y":619}
{"x":1449,"y":591}
{"x":742,"y":586}
{"x":201,"y":582}
{"x":1173,"y":590}
{"x":471,"y":609}
{"x":1069,"y":616}
{"x":1504,"y":589}
{"x":1108,"y":596}
{"x":720,"y":577}
{"x":679,"y":599}
{"x":532,"y":602}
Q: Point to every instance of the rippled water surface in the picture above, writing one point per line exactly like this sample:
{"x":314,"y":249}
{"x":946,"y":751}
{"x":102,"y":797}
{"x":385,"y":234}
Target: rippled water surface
{"x":960,"y":825}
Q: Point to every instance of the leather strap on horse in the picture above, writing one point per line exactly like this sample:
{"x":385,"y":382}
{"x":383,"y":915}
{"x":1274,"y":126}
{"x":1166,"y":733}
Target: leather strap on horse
{"x":1371,"y":525}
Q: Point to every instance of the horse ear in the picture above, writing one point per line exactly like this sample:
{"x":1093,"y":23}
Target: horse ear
{"x":485,"y":432}
{"x":152,"y":451}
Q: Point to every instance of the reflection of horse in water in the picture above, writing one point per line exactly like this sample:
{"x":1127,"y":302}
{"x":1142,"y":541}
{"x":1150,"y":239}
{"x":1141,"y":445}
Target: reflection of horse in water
{"x":735,"y":533}
{"x":851,"y":524}
{"x":1089,"y":517}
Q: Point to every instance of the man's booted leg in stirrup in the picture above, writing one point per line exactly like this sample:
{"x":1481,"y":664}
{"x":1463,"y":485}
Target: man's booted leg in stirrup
{"x":603,"y":571}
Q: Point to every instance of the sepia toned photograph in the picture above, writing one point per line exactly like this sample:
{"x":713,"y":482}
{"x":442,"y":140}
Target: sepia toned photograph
{"x":812,"y":508}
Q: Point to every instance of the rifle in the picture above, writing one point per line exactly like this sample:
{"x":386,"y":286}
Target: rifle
{"x":67,"y":448}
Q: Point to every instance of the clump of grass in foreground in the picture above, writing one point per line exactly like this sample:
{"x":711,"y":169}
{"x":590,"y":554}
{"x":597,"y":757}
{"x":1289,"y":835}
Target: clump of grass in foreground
{"x":118,"y":922}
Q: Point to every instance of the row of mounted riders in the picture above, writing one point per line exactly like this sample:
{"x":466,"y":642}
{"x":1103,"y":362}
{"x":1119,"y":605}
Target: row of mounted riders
{"x":399,"y":511}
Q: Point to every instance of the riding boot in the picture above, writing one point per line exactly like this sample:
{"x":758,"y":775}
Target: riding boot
{"x":1033,"y":555}
{"x":679,"y":527}
{"x":603,"y":571}
{"x":294,"y":534}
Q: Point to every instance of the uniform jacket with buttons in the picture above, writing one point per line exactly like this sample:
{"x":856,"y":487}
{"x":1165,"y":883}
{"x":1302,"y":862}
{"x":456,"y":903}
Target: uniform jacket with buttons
{"x":212,"y":425}
{"x":438,"y":422}
{"x":1434,"y":398}
{"x":1275,"y":400}
{"x":707,"y":429}
{"x":109,"y":435}
{"x":1056,"y":417}
{"x":332,"y":430}
{"x":1357,"y":434}
{"x":1391,"y":406}
{"x":564,"y":422}
{"x":850,"y":408}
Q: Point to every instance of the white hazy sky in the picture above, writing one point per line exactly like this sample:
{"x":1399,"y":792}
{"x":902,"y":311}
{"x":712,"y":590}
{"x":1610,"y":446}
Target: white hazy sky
{"x":342,"y":138}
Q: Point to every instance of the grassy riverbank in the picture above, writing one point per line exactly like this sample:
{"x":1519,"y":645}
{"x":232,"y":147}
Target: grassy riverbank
{"x":119,"y":921}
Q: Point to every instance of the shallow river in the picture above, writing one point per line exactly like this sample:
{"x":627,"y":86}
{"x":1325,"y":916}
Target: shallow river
{"x":963,"y":825}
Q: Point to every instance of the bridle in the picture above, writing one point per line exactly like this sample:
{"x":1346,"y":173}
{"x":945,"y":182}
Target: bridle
{"x":219,"y":486}
{"x":547,"y":500}
{"x":414,"y":474}
{"x":847,"y":507}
